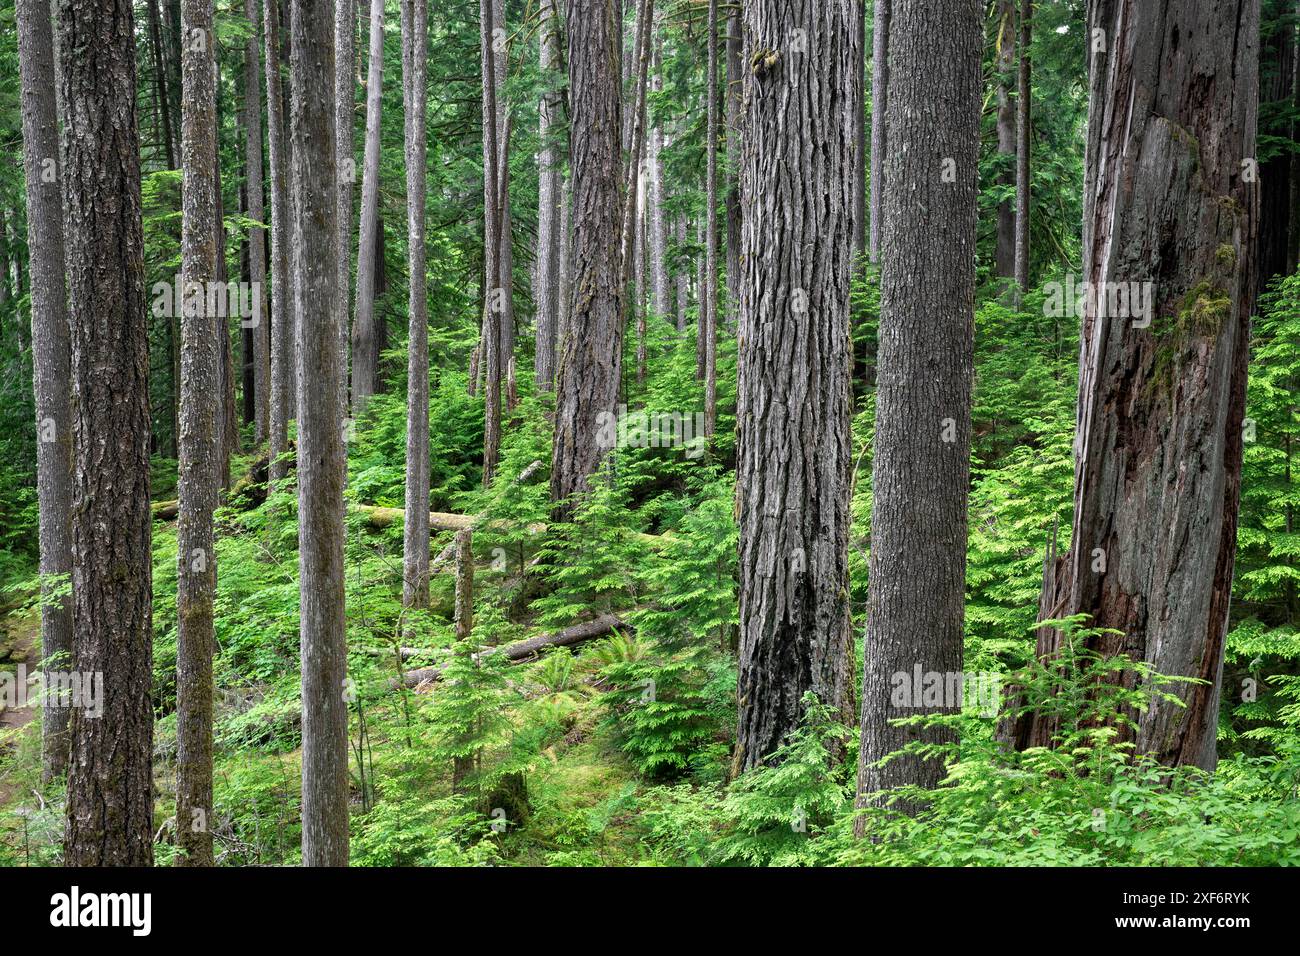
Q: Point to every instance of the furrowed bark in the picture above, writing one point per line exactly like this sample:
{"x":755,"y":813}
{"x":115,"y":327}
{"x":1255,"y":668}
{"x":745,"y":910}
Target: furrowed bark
{"x":110,"y":779}
{"x":201,"y":333}
{"x":322,"y":463}
{"x":794,"y":447}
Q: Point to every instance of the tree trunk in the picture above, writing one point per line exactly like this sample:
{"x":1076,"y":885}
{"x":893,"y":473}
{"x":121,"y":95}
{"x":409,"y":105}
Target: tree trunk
{"x":1005,"y":251}
{"x":658,"y":193}
{"x":345,"y":68}
{"x":709,"y":310}
{"x":51,"y":356}
{"x":735,"y":130}
{"x":506,"y":224}
{"x":160,"y":81}
{"x":1277,"y":79}
{"x":493,"y":291}
{"x":261,"y":331}
{"x":1158,"y":448}
{"x":879,"y":100}
{"x":794,"y":447}
{"x":463,"y":766}
{"x":550,"y":175}
{"x":282,"y":288}
{"x":921,"y":470}
{"x":365,"y":340}
{"x":110,"y":779}
{"x":565,"y":270}
{"x":415,"y":563}
{"x":321,"y":455}
{"x":1023,"y":131}
{"x":201,"y":331}
{"x":591,"y":359}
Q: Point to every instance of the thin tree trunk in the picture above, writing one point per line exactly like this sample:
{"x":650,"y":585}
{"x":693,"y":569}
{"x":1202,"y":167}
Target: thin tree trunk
{"x":345,"y":68}
{"x":365,"y":351}
{"x":591,"y":361}
{"x":710,"y":307}
{"x":51,"y":358}
{"x":735,"y":143}
{"x":110,"y":778}
{"x":637,"y":139}
{"x":1158,"y":447}
{"x":1023,"y":131}
{"x":201,"y":331}
{"x":658,"y":193}
{"x":505,"y":235}
{"x":1277,"y":78}
{"x":493,"y":293}
{"x":794,"y":449}
{"x":261,"y":330}
{"x":282,"y":283}
{"x":160,"y":80}
{"x":921,"y":457}
{"x":550,"y":175}
{"x":322,"y":461}
{"x":1005,"y":45}
{"x":565,"y":270}
{"x":879,"y":100}
{"x":415,"y":562}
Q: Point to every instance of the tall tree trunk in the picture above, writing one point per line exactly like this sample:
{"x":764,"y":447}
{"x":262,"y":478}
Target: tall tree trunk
{"x":710,"y":307}
{"x":735,"y":132}
{"x":160,"y":81}
{"x":110,"y":779}
{"x":681,"y":281}
{"x":592,"y":355}
{"x":51,"y":357}
{"x":1023,"y":133}
{"x":794,"y":448}
{"x":321,"y":455}
{"x":658,"y":193}
{"x":565,"y":270}
{"x":1005,"y":45}
{"x":1158,"y":446}
{"x":493,"y":293}
{"x":1277,"y":93}
{"x":201,"y":332}
{"x":879,"y":100}
{"x":550,"y":175}
{"x":282,"y":283}
{"x":415,"y":562}
{"x":261,"y":331}
{"x":631,"y":175}
{"x":365,"y":351}
{"x":345,"y":68}
{"x":921,"y":470}
{"x":505,"y":235}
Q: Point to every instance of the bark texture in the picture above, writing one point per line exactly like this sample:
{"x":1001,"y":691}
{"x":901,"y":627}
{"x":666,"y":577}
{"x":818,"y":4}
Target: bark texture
{"x":921,"y":468}
{"x":201,"y":333}
{"x":550,"y":176}
{"x":345,"y":68}
{"x":794,"y":448}
{"x":282,"y":291}
{"x":110,"y":779}
{"x":879,"y":101}
{"x":261,"y":332}
{"x":709,"y":310}
{"x":1023,"y":133}
{"x":1158,"y":446}
{"x":592,"y":349}
{"x":51,"y":355}
{"x":365,"y":338}
{"x":321,"y":456}
{"x":415,"y":560}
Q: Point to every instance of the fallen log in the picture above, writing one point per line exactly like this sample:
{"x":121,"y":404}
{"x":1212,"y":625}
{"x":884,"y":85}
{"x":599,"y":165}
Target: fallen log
{"x":522,"y":650}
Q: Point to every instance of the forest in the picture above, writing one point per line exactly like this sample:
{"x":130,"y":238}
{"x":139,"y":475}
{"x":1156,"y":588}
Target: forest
{"x":649,"y":433}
